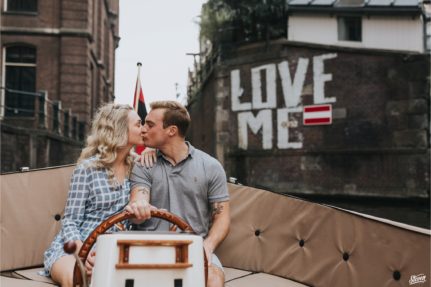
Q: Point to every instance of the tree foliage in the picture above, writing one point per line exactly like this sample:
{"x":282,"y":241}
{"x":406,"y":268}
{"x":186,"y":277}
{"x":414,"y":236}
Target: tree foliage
{"x":231,"y":21}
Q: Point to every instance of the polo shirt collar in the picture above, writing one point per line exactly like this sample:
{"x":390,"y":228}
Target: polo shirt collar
{"x":191,"y":150}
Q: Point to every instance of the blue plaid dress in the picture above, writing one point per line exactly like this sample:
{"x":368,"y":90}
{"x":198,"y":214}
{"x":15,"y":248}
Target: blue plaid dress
{"x":91,"y":200}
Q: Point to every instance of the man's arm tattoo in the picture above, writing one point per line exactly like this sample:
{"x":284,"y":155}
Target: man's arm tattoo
{"x":216,"y":208}
{"x":145,"y":192}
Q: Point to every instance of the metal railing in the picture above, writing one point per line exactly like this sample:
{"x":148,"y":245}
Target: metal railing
{"x":20,"y":107}
{"x":200,"y":74}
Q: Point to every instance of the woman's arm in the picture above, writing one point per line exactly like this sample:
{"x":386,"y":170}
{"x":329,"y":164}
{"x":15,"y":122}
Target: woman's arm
{"x":147,"y":158}
{"x":75,"y":205}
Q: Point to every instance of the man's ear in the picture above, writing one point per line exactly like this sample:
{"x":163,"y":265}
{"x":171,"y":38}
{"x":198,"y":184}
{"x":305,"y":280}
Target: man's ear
{"x":173,"y":130}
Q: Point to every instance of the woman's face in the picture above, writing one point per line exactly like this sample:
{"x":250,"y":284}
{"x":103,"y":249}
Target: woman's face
{"x":135,"y":129}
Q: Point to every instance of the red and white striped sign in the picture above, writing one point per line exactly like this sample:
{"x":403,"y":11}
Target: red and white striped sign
{"x":317,"y":115}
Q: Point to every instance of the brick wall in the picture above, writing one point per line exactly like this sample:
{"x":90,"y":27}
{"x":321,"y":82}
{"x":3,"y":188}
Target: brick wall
{"x":74,"y":66}
{"x":377,"y":145}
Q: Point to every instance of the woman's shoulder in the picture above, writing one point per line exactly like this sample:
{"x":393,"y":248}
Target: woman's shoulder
{"x":87,"y":165}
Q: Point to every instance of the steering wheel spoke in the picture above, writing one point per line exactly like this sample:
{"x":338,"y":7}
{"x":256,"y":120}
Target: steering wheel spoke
{"x":173,"y":228}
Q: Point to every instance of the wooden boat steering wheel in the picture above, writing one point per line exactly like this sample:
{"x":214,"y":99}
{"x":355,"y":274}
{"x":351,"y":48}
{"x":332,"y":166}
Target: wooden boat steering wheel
{"x":116,"y":218}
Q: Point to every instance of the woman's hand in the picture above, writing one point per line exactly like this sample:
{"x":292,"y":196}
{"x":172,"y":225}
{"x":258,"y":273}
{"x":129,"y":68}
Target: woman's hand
{"x":148,"y":157}
{"x":89,"y":263}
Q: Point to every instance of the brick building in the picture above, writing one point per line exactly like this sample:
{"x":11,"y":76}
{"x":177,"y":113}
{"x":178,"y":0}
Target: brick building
{"x":369,"y":65}
{"x":57,"y":67}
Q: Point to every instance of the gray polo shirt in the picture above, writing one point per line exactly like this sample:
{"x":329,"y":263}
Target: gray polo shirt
{"x":186,"y":189}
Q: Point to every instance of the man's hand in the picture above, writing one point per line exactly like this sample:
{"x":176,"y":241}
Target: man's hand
{"x":139,"y":204}
{"x":208,"y":251}
{"x":141,"y":209}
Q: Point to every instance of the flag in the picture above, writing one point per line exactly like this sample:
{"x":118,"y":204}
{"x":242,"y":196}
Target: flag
{"x":139,"y":105}
{"x":317,"y":115}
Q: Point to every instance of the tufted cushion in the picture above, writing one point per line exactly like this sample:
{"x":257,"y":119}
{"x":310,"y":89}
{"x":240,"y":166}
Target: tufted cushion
{"x":232,"y":273}
{"x":320,"y":245}
{"x":243,"y":278}
{"x":262,"y":279}
{"x":30,"y":202}
{"x":14,"y":282}
{"x":33,"y":274}
{"x":284,"y":237}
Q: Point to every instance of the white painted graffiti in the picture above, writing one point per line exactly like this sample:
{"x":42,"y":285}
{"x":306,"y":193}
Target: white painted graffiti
{"x":292,"y":91}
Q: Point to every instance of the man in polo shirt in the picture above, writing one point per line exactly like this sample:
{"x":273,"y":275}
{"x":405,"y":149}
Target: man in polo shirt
{"x":183,"y":180}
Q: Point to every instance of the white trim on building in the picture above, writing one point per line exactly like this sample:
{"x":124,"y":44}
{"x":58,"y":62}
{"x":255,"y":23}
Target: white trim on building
{"x":402,"y":33}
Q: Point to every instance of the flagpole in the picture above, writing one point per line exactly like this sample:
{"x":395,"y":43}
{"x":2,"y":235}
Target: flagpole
{"x":138,"y":87}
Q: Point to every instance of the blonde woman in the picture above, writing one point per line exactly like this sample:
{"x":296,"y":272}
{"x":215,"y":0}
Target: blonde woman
{"x":99,"y":186}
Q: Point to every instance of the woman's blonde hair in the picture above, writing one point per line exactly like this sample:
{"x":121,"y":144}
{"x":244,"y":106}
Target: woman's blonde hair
{"x":109,"y":132}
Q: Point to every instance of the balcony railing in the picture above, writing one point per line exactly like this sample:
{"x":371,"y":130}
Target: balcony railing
{"x":21,"y":107}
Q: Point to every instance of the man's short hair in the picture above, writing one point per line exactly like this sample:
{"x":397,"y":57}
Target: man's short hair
{"x":175,"y":115}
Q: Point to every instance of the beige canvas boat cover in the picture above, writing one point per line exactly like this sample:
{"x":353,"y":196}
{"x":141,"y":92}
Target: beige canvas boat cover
{"x":291,"y":240}
{"x":320,"y":245}
{"x":32,"y":204}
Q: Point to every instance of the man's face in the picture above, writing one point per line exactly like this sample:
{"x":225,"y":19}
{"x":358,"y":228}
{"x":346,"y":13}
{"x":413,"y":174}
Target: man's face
{"x":155,"y":136}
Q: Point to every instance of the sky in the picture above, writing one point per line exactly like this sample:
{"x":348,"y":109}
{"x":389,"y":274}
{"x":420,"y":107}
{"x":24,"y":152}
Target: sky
{"x":157,"y":33}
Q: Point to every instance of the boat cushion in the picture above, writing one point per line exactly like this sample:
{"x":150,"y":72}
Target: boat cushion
{"x":16,"y":282}
{"x":320,"y":245}
{"x":241,"y":278}
{"x":32,"y":274}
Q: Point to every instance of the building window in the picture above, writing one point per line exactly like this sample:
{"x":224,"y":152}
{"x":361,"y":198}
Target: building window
{"x":20,"y":81}
{"x":21,"y":6}
{"x":350,"y":29}
{"x":81,"y":131}
{"x":56,"y":116}
{"x":66,"y":123}
{"x":74,"y":127}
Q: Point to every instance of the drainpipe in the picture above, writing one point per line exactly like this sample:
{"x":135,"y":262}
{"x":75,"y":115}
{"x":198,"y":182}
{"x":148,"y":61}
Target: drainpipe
{"x":427,"y":50}
{"x":425,"y":20}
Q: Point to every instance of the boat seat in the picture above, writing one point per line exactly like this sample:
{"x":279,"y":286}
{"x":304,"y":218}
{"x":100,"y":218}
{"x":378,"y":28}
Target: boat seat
{"x":233,"y":273}
{"x":280,"y":240}
{"x":22,"y":282}
{"x":234,"y":278}
{"x":26,"y":277}
{"x":242,"y":278}
{"x":279,"y":237}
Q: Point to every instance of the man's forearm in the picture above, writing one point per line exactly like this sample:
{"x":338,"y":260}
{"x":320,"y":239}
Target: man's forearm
{"x":139,"y":193}
{"x":139,"y":203}
{"x":220,"y":224}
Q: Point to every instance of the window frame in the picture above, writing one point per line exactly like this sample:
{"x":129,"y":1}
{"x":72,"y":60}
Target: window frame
{"x":342,"y":23}
{"x":5,"y":64}
{"x":20,"y":12}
